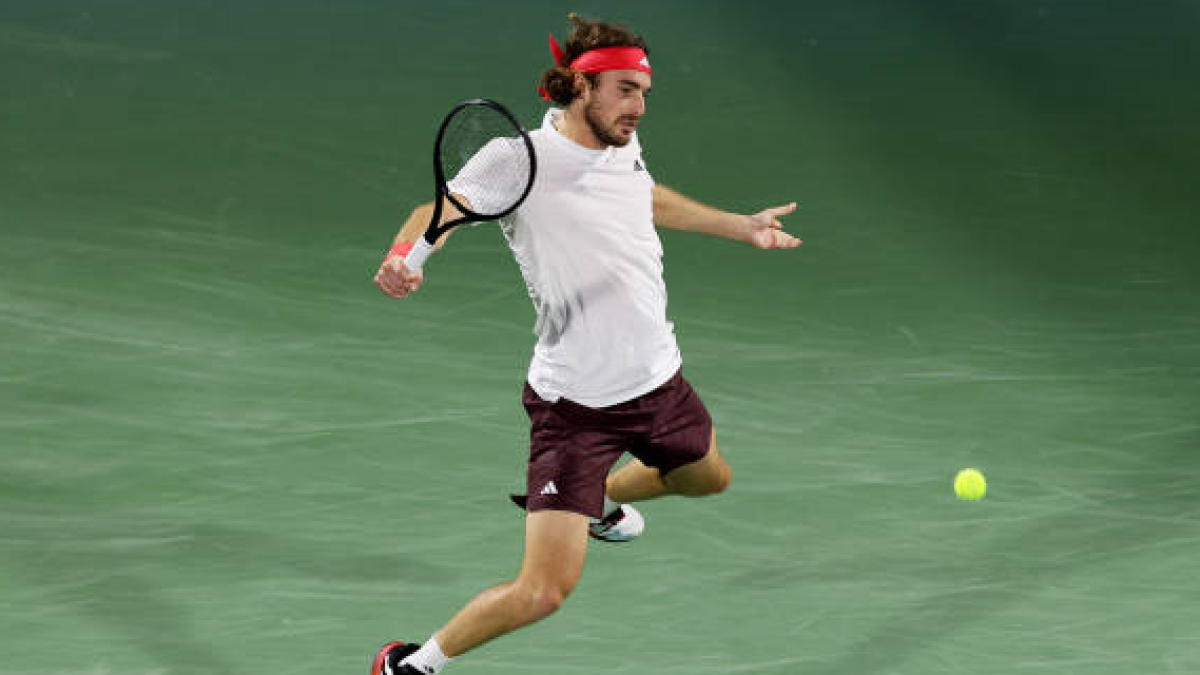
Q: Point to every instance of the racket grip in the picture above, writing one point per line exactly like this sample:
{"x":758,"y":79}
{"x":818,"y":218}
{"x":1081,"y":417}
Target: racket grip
{"x":416,"y":258}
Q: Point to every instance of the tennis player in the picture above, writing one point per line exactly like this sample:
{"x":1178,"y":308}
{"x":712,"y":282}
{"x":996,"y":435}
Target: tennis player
{"x":605,"y":376}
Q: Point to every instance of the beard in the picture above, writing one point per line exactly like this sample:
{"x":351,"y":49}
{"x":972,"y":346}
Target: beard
{"x":609,"y":134}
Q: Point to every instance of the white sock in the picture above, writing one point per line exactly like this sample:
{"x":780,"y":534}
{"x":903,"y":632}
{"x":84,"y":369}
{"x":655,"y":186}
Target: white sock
{"x":610,"y":505}
{"x":429,"y":659}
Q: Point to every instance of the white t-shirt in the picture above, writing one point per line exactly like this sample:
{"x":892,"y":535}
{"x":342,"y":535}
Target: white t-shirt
{"x":494,"y":177}
{"x":592,"y":261}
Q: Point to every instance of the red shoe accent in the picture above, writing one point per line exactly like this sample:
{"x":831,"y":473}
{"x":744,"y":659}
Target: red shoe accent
{"x":381,"y":657}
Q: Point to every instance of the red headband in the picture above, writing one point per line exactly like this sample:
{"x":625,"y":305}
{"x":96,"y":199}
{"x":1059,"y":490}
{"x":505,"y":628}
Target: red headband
{"x":602,"y":59}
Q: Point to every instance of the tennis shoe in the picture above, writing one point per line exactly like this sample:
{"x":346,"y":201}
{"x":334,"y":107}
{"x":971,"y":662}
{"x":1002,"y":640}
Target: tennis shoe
{"x":623,"y":524}
{"x":387,"y":661}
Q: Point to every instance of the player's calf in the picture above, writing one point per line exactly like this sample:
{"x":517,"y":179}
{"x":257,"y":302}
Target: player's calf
{"x":709,"y":476}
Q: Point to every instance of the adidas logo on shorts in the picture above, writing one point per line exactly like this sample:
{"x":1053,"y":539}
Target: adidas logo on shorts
{"x":550,"y":489}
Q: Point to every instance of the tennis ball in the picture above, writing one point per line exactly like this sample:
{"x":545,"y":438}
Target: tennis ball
{"x":970,"y":485}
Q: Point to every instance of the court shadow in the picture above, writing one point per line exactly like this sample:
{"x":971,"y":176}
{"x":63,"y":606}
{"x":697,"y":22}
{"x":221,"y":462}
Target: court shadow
{"x":108,"y":603}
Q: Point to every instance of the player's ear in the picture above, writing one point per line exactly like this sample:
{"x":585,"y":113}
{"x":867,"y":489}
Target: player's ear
{"x":582,"y":86}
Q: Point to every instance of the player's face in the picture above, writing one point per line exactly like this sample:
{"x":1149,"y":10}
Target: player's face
{"x":616,"y":104}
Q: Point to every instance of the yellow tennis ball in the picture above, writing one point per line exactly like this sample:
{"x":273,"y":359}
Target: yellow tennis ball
{"x":970,"y":485}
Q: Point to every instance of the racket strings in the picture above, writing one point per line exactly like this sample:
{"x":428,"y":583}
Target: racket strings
{"x":486,"y":159}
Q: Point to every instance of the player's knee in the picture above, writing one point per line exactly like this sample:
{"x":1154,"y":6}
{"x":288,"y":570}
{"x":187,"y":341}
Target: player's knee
{"x":545,"y":601}
{"x":720,"y":481}
{"x":726,"y":479}
{"x":548,"y":601}
{"x":542,"y":600}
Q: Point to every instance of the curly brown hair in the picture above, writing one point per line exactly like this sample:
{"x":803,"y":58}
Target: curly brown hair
{"x":586,"y":35}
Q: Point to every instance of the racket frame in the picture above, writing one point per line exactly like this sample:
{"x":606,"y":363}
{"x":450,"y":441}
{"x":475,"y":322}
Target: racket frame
{"x":424,"y":246}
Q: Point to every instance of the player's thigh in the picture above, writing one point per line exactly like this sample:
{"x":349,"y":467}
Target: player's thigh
{"x":555,"y":550}
{"x":707,"y":475}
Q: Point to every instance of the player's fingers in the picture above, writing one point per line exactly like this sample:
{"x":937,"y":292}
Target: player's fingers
{"x":777,"y":211}
{"x":382,"y":284}
{"x":391,"y":290}
{"x":778,"y":239}
{"x":402,"y":287}
{"x":394,"y":285}
{"x":785,"y":240}
{"x":762,"y":221}
{"x":414,"y":279}
{"x":382,"y":278}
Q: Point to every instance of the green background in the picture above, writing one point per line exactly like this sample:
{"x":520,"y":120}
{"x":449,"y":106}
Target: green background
{"x":222,"y":450}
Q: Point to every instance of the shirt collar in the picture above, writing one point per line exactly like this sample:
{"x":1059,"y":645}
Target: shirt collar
{"x":548,"y":124}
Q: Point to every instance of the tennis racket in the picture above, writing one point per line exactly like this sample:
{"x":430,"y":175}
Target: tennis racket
{"x":483,"y":164}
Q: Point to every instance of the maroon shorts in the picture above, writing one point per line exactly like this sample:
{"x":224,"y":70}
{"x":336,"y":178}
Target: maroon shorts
{"x":572,"y":446}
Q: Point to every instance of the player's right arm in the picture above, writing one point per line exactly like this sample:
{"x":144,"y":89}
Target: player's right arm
{"x":393,"y":277}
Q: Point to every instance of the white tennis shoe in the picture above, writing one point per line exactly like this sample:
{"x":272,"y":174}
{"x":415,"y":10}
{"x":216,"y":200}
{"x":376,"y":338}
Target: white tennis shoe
{"x":622,"y":525}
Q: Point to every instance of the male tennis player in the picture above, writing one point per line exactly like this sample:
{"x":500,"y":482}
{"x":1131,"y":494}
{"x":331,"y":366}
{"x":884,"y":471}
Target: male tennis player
{"x":605,"y":376}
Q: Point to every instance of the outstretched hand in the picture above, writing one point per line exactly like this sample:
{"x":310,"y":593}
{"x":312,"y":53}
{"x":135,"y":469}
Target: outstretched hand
{"x":766,"y":231}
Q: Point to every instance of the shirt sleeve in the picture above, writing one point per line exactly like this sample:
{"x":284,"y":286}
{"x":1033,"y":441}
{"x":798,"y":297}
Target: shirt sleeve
{"x":494,"y":178}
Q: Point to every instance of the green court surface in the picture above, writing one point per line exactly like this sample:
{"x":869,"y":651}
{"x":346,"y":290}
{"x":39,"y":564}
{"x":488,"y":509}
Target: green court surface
{"x":223,"y":451}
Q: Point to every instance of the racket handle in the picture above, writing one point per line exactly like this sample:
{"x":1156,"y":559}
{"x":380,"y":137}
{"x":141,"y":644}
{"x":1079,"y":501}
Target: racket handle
{"x":421,"y":250}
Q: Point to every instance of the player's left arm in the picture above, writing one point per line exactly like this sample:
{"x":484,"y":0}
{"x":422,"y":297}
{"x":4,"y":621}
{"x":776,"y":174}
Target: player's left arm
{"x":760,"y":230}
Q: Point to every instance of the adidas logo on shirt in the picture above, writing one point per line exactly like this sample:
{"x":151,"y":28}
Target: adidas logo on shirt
{"x":550,"y":489}
{"x":637,"y":165}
